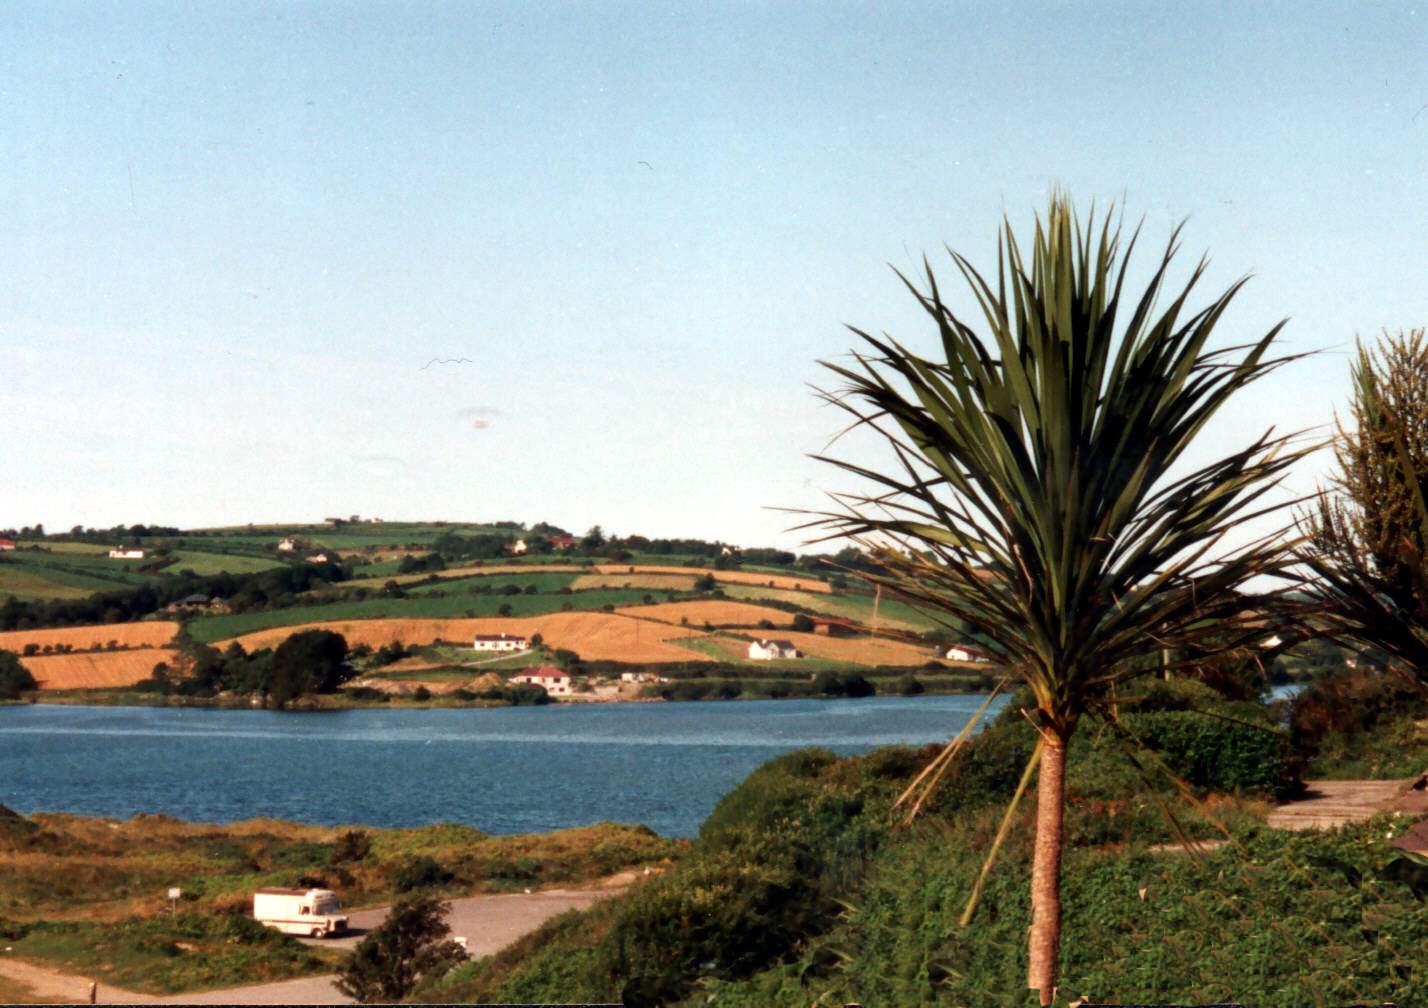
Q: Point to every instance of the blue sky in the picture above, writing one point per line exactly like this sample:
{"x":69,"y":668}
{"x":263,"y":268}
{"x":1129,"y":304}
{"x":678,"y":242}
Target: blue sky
{"x":578,"y":263}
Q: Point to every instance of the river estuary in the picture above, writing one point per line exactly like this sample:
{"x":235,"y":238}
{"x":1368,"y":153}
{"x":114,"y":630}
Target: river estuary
{"x":502,"y":770}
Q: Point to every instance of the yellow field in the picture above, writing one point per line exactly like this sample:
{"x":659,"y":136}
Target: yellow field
{"x":96,"y":670}
{"x":134,"y":635}
{"x":610,"y":636}
{"x":654,"y":582}
{"x":786,"y":581}
{"x":863,"y":650}
{"x":717,"y":612}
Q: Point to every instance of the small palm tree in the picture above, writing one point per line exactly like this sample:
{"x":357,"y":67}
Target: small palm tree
{"x":1040,"y":495}
{"x":1368,"y":542}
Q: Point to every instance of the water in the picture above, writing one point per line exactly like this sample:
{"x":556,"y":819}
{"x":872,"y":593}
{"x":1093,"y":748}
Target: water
{"x":502,"y":770}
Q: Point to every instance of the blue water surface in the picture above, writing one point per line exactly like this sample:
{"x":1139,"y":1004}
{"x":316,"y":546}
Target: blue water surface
{"x":503,"y":770}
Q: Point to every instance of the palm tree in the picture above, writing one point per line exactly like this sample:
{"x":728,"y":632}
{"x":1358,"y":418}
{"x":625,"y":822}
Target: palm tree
{"x":1368,"y":543}
{"x":1039,"y":489}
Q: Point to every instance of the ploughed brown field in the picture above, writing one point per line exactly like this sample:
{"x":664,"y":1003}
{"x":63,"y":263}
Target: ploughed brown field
{"x":595,"y":636}
{"x":96,"y":669}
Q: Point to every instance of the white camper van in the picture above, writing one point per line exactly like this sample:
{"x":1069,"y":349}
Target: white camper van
{"x":312,"y":912}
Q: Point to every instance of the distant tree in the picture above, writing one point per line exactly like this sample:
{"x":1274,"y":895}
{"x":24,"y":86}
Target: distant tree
{"x":412,"y":945}
{"x":802,"y":622}
{"x":14,"y":677}
{"x":310,"y":661}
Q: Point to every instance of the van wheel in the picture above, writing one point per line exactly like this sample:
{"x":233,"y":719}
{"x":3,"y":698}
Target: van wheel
{"x":317,"y":932}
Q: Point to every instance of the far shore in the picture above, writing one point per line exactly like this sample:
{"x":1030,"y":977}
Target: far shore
{"x":337,"y":701}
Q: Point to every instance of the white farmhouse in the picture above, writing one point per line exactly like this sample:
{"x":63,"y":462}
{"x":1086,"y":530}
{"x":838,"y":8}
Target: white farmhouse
{"x":765,"y":650}
{"x":500,"y":642}
{"x":555,"y":682}
{"x":959,"y":653}
{"x":126,"y":553}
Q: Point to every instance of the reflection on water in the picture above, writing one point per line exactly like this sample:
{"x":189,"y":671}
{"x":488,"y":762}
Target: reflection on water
{"x":502,"y":770}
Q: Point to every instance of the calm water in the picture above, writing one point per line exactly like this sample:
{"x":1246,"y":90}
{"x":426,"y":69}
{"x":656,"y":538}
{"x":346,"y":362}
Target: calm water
{"x":502,"y":770}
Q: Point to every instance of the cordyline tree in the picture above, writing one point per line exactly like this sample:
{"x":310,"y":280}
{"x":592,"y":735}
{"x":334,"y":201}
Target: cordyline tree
{"x":1368,"y":539}
{"x":1041,"y":491}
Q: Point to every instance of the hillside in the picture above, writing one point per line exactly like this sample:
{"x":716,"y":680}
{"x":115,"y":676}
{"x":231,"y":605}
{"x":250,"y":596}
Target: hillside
{"x":631,"y":601}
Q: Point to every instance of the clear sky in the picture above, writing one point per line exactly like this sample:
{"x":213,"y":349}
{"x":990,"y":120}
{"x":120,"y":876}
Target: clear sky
{"x":577,"y":262}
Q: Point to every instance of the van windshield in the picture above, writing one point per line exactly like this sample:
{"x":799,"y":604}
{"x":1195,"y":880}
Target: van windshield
{"x":327,"y":906}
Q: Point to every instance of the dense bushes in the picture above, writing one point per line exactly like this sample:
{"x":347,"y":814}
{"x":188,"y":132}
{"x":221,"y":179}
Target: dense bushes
{"x":1212,"y":753}
{"x":764,"y":876}
{"x":1359,"y":721}
{"x":14,"y":677}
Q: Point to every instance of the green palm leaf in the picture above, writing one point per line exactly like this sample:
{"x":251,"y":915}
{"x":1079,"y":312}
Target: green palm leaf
{"x":1033,"y":492}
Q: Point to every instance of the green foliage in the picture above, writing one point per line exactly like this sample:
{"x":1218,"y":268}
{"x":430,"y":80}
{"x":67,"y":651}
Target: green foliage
{"x":1360,"y":722}
{"x":1034,"y":486}
{"x":172,"y":953}
{"x":421,"y":872}
{"x":842,"y":684}
{"x":411,"y":946}
{"x":309,"y":661}
{"x":14,"y":677}
{"x":764,"y":876}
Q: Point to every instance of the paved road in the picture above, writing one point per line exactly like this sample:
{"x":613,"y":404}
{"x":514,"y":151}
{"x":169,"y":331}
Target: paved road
{"x":489,"y":923}
{"x":1330,"y":804}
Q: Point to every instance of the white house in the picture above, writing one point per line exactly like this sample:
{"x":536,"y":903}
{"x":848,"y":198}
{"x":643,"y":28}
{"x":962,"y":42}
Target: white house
{"x":126,"y":553}
{"x":764,"y":650}
{"x":287,"y":545}
{"x":500,"y":642}
{"x":551,"y":678}
{"x":958,"y":653}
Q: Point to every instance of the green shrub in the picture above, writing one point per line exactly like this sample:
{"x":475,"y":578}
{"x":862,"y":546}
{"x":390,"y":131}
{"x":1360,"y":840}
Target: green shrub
{"x":1214,"y":754}
{"x":353,"y":845}
{"x":420,"y":872}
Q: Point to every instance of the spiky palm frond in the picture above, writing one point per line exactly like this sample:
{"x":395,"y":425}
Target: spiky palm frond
{"x":1032,"y":495}
{"x":1037,"y":491}
{"x":1367,"y":544}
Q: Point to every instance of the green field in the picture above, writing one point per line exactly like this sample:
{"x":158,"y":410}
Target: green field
{"x":205,"y":564}
{"x":547,"y":582}
{"x":212,"y":628}
{"x":892,"y":614}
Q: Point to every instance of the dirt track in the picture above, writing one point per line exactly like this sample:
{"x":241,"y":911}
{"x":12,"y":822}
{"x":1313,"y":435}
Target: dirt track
{"x":489,"y":923}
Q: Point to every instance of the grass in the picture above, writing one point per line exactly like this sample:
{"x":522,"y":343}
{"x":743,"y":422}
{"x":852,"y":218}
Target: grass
{"x":891,"y":613}
{"x":205,"y":564}
{"x":32,"y":583}
{"x":91,"y":893}
{"x":170,"y":954}
{"x":214,"y":628}
{"x":545,"y":582}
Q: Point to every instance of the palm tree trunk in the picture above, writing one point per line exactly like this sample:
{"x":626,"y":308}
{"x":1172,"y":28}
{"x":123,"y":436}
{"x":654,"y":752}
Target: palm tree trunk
{"x":1046,"y":866}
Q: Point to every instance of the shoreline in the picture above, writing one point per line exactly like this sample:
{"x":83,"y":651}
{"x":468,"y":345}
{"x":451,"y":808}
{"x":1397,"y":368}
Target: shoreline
{"x":438,"y":701}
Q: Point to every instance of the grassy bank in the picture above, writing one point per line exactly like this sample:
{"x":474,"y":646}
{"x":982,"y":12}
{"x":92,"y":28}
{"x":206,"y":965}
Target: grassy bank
{"x":89,"y":896}
{"x":802,"y":888}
